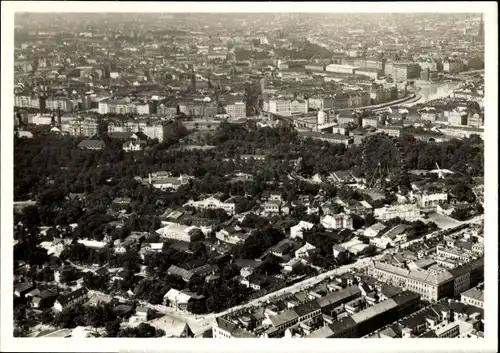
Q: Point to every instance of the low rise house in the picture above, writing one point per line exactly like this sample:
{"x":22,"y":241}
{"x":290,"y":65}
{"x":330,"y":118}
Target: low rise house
{"x":305,"y":251}
{"x":374,"y":230}
{"x":360,"y":208}
{"x":297,"y":230}
{"x":181,"y":273}
{"x":394,"y":236}
{"x":232,"y":235}
{"x":340,"y":253}
{"x":272,"y":207}
{"x":180,"y":300}
{"x":132,"y":146}
{"x":474,"y":297}
{"x":66,"y":300}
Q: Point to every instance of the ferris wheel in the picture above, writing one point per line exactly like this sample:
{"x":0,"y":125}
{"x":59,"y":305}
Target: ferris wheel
{"x":384,"y":162}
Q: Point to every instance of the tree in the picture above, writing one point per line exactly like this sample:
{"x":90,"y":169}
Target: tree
{"x":142,"y":331}
{"x":112,"y":328}
{"x":460,"y":214}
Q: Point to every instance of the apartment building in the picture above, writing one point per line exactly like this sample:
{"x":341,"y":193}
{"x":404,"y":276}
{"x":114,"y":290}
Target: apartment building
{"x":84,"y":127}
{"x":299,"y":106}
{"x":452,"y":66}
{"x":391,"y":130}
{"x":344,"y":69}
{"x":369,"y":64}
{"x":405,"y":71}
{"x":108,"y":106}
{"x":370,"y":121}
{"x":373,"y":74}
{"x":153,"y":130}
{"x":59,"y":103}
{"x":320,"y":103}
{"x":27,"y":102}
{"x":280,"y":107}
{"x":462,"y":131}
{"x":165,"y":110}
{"x":370,"y":319}
{"x":428,"y":64}
{"x":431,"y":286}
{"x":237,"y":110}
{"x":475,"y":120}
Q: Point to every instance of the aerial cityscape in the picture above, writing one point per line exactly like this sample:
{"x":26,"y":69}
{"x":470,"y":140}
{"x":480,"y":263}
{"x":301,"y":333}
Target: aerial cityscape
{"x":249,"y":175}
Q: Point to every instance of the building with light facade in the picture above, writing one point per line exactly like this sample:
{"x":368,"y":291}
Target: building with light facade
{"x":237,"y":110}
{"x":407,"y":212}
{"x":279,"y":107}
{"x":344,"y":69}
{"x":338,"y":221}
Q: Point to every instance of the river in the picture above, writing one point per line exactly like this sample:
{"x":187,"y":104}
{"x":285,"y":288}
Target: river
{"x":435,"y":90}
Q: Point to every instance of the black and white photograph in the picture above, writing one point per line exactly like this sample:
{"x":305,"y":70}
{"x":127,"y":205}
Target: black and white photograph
{"x":226,"y":170}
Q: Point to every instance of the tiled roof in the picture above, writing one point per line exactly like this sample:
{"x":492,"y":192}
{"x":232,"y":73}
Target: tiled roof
{"x":91,"y":144}
{"x":338,"y":296}
{"x":306,"y":308}
{"x":233,"y":329}
{"x":177,"y":271}
{"x":374,"y":310}
{"x":64,"y":299}
{"x":284,"y":317}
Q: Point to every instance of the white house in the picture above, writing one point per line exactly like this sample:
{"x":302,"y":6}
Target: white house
{"x":407,"y":212}
{"x":380,"y":242}
{"x":272,"y":206}
{"x":338,"y":221}
{"x":212,"y":203}
{"x":231,"y":236}
{"x":428,"y":199}
{"x":297,"y":230}
{"x":131,"y":146}
{"x":180,"y":232}
{"x":180,"y":300}
{"x":304,"y":251}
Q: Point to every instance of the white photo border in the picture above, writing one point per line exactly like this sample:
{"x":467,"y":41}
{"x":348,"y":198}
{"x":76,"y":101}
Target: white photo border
{"x":489,"y":343}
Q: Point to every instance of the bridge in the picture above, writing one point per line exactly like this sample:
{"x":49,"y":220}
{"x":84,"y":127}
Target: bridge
{"x":463,"y":75}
